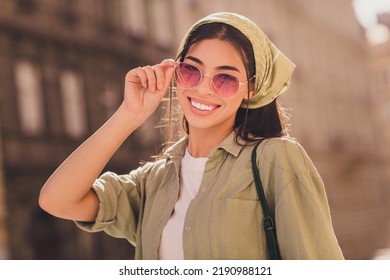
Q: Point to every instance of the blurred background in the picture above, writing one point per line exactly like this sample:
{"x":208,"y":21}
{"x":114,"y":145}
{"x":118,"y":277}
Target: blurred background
{"x":62,"y":65}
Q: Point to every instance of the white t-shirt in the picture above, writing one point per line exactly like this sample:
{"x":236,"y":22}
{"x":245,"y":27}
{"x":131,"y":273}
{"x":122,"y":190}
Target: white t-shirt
{"x":191,"y":173}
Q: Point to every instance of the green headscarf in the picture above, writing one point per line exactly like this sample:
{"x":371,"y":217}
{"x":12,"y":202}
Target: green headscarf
{"x":273,"y":68}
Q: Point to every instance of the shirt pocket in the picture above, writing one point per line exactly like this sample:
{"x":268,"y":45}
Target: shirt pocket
{"x":235,"y":229}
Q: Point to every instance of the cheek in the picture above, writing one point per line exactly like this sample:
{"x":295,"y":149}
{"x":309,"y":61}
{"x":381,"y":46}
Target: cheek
{"x":236,"y":102}
{"x":181,"y":97}
{"x":245,"y":95}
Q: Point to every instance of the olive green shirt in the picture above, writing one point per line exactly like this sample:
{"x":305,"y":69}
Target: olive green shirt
{"x":224,"y":220}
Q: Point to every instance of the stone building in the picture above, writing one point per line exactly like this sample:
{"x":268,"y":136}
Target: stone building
{"x":62,"y":66}
{"x":62,"y":69}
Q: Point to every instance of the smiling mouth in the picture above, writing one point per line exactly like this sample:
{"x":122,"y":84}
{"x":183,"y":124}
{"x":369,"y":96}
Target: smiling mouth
{"x":202,"y":107}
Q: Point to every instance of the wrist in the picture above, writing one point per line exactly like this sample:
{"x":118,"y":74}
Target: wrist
{"x":129,"y":120}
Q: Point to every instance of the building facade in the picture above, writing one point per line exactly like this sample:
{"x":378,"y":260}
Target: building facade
{"x":63,"y":65}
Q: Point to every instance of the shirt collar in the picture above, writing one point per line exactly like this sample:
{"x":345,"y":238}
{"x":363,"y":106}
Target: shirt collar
{"x":229,"y":144}
{"x":178,"y":149}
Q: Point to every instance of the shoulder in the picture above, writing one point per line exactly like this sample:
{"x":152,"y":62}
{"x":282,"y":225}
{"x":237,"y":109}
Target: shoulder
{"x":138,"y":174}
{"x":277,"y":144}
{"x":284,"y":152}
{"x":141,"y":178}
{"x":151,"y":168}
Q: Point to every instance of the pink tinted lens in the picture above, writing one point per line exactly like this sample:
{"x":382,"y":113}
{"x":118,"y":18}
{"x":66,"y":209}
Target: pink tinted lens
{"x":187,"y":75}
{"x":225,"y":85}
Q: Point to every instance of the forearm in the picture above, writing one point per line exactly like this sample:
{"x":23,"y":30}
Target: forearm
{"x":70,"y":185}
{"x":67,"y":193}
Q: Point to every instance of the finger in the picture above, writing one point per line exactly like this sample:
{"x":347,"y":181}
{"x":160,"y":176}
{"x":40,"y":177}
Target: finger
{"x":160,"y":76}
{"x":168,"y":66}
{"x":137,"y":76}
{"x":151,"y":78}
{"x":169,"y":73}
{"x":166,"y":63}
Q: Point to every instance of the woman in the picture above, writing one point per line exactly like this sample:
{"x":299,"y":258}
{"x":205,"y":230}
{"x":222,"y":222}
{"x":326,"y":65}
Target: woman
{"x":200,"y":201}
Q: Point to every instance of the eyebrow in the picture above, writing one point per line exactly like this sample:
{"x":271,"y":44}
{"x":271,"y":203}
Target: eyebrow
{"x":222,"y":67}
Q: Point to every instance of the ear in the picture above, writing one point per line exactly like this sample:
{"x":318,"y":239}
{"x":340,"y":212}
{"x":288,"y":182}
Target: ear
{"x":249,"y":95}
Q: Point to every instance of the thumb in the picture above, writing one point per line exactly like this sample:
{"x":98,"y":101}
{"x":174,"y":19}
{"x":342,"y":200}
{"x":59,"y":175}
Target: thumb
{"x":169,"y":73}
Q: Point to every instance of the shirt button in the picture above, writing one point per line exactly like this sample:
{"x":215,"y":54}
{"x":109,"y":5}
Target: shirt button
{"x":203,"y":189}
{"x":188,"y":228}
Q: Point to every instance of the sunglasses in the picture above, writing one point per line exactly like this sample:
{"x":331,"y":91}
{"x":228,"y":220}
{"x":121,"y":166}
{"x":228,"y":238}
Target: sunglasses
{"x":224,"y":85}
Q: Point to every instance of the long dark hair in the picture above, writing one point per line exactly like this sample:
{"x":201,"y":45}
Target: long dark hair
{"x":250,"y":124}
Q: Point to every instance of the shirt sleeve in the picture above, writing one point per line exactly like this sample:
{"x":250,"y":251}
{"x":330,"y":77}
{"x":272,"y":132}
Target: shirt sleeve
{"x":120,"y":201}
{"x":302,"y":215}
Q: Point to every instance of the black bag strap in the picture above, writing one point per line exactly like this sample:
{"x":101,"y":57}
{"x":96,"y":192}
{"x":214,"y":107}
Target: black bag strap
{"x":268,"y":222}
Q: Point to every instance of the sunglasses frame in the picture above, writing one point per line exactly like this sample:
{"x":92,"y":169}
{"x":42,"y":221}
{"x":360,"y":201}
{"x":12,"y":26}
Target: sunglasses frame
{"x":202,"y":75}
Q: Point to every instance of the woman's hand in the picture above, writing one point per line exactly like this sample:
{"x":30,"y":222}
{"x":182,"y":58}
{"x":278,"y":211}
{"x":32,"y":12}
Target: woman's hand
{"x":67,"y":193}
{"x":146,"y":86}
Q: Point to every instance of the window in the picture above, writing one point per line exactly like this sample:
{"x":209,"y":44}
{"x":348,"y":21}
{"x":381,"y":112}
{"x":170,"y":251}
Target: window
{"x":67,"y":12}
{"x":111,"y":98}
{"x":162,"y":23}
{"x":30,"y":97}
{"x":73,"y":104}
{"x":27,"y":6}
{"x":134,"y":17}
{"x":106,"y":15}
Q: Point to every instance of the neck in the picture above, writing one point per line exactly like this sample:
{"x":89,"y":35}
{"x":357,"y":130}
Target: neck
{"x":203,"y":141}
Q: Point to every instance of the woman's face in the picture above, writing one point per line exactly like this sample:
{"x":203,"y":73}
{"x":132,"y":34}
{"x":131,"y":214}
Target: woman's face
{"x":202,"y":107}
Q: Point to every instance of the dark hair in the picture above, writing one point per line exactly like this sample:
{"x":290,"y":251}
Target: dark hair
{"x":250,"y":124}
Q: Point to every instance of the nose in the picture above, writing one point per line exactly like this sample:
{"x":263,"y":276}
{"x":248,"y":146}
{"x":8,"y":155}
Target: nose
{"x":205,"y":86}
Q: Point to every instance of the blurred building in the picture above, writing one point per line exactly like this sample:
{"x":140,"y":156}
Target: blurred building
{"x":63,"y":63}
{"x":384,"y":18}
{"x":62,"y":69}
{"x":340,"y":112}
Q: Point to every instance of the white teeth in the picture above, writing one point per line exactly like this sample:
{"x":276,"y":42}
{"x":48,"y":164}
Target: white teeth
{"x":202,"y":107}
